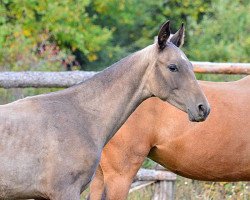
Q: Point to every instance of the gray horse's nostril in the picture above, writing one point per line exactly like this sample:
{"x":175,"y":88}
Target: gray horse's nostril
{"x":202,"y":110}
{"x":201,"y":107}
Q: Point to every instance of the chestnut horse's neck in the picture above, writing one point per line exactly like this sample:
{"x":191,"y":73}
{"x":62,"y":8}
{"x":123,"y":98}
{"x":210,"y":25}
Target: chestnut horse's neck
{"x":112,"y":95}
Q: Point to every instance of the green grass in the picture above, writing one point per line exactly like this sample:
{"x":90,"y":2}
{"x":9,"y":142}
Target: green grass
{"x":218,"y":77}
{"x":187,"y":189}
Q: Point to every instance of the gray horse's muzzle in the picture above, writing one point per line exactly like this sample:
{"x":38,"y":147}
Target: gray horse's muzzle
{"x":200,"y":114}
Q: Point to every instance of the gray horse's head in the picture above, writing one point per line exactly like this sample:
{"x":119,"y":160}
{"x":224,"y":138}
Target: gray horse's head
{"x":172,"y":78}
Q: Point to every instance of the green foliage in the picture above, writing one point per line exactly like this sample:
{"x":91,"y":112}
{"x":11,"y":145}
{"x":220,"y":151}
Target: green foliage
{"x":223,"y":34}
{"x":97,"y":33}
{"x":26,"y":24}
{"x":135,"y":23}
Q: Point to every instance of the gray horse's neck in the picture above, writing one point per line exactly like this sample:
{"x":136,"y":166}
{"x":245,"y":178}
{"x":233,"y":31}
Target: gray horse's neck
{"x":112,"y":95}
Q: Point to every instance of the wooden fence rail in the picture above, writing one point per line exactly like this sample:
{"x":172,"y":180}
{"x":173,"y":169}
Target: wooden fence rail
{"x":221,"y":68}
{"x":43,"y":79}
{"x":164,"y":182}
{"x":67,"y":79}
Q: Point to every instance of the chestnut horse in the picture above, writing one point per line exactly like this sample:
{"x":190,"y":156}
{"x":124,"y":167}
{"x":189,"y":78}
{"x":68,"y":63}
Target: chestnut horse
{"x":50,"y":145}
{"x":215,"y":150}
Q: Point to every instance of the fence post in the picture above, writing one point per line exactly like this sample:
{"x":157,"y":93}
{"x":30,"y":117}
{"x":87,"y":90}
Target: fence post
{"x":164,"y":182}
{"x":164,"y":190}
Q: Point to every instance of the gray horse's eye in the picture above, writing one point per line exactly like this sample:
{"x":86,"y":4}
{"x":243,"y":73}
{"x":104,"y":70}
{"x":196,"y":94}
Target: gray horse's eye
{"x":173,"y":68}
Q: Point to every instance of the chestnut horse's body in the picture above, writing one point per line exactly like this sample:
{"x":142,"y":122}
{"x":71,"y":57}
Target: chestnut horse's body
{"x":215,"y":150}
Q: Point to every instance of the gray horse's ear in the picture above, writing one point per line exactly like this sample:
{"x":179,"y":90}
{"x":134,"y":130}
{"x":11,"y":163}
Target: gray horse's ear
{"x":163,"y":35}
{"x":178,"y":38}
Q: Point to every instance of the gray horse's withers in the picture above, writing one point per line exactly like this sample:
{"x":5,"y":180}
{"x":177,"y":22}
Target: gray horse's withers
{"x":51,"y":144}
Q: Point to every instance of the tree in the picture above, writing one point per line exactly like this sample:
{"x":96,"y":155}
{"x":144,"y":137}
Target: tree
{"x":26,"y":24}
{"x":135,"y":23}
{"x":96,"y":33}
{"x":223,"y":34}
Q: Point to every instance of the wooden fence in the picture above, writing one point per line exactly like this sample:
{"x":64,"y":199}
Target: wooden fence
{"x":221,"y":68}
{"x":163,"y":181}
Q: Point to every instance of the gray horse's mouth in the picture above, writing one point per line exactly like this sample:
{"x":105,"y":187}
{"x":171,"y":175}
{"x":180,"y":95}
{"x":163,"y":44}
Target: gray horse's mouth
{"x":192,"y":118}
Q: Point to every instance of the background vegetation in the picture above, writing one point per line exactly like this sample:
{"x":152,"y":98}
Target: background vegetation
{"x":90,"y":35}
{"x":61,"y":35}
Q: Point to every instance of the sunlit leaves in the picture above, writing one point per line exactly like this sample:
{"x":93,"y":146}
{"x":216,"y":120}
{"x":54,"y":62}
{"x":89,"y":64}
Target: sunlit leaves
{"x":24,"y":23}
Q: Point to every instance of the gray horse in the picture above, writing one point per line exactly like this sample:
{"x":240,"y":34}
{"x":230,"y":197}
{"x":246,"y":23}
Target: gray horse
{"x":50,"y":145}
